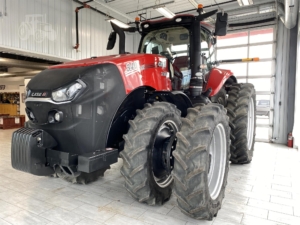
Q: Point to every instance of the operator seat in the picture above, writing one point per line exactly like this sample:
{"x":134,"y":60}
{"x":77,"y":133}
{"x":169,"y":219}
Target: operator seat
{"x":181,"y":62}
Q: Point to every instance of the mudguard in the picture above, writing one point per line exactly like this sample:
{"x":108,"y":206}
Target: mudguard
{"x":216,"y":79}
{"x":136,"y":100}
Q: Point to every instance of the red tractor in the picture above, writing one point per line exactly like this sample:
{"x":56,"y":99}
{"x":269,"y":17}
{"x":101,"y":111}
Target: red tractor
{"x":173,"y":118}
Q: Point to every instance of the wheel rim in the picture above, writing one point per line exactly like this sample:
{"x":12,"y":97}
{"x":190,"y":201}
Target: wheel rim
{"x":217,"y":158}
{"x":162,"y":157}
{"x":251,"y":119}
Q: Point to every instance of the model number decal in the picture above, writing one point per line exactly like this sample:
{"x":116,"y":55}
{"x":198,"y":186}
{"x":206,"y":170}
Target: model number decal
{"x":161,"y":64}
{"x":132,"y":67}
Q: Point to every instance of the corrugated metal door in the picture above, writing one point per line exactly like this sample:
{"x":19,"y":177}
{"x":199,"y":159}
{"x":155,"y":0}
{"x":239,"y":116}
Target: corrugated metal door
{"x":259,"y":42}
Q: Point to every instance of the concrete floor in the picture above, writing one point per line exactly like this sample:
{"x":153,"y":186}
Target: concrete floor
{"x":265,"y":192}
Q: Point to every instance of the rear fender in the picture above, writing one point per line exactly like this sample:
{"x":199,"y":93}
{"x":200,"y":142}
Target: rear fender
{"x":216,"y":80}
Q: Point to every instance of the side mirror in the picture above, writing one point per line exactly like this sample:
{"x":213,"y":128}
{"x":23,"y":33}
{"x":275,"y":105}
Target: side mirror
{"x":221,"y":24}
{"x":111,"y":40}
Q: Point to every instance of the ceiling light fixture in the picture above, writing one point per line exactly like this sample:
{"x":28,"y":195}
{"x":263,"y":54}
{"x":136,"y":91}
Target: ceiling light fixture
{"x":113,"y":10}
{"x":149,"y":7}
{"x":245,"y":2}
{"x":164,"y":11}
{"x":118,"y":23}
{"x":194,"y":3}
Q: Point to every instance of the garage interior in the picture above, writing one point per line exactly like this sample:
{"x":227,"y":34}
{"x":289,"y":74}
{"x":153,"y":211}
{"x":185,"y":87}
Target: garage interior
{"x":36,"y":34}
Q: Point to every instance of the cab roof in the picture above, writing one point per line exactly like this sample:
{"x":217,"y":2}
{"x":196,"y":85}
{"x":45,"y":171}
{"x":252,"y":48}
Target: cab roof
{"x":181,"y":19}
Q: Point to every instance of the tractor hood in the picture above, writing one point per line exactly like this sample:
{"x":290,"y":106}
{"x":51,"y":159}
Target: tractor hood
{"x":60,"y":75}
{"x":114,"y":59}
{"x":52,"y":79}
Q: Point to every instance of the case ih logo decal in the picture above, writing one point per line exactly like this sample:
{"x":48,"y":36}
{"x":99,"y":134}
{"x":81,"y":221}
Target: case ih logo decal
{"x":132,"y":67}
{"x":39,"y":94}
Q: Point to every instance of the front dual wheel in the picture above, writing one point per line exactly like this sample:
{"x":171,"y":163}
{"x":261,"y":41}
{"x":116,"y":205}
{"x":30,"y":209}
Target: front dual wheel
{"x":157,"y":150}
{"x":148,"y":153}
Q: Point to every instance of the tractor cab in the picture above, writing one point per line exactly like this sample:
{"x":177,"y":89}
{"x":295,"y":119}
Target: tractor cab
{"x":173,"y":40}
{"x":188,"y":44}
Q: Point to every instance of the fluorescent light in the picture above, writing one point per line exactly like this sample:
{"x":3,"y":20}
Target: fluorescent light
{"x":195,"y":4}
{"x":245,"y":2}
{"x":118,"y":23}
{"x":164,"y":11}
{"x":114,"y":10}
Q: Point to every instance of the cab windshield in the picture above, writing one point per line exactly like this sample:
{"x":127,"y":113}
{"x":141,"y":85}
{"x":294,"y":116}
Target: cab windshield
{"x":170,"y":42}
{"x":174,"y":43}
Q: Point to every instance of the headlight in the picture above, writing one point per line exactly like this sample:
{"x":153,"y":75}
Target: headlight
{"x":67,"y":93}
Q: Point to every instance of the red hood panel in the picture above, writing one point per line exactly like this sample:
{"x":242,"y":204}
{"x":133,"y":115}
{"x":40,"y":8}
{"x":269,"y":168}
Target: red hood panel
{"x":137,"y":70}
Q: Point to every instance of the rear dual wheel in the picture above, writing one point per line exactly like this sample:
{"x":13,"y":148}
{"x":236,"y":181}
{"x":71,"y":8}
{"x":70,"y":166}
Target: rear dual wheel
{"x":239,"y":101}
{"x":241,"y":109}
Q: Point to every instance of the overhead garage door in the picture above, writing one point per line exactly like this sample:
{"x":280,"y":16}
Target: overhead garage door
{"x":253,"y":43}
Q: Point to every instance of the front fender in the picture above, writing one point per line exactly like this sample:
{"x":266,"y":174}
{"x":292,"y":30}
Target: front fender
{"x":216,"y":80}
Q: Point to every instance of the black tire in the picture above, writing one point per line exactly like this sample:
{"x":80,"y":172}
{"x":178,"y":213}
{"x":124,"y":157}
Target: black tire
{"x":220,"y":97}
{"x":193,"y":161}
{"x":83,"y":178}
{"x":143,"y":154}
{"x":238,"y":103}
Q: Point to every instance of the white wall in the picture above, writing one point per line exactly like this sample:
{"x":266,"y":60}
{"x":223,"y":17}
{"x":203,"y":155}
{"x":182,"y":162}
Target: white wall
{"x":11,"y":84}
{"x":284,"y":83}
{"x":22,"y":104}
{"x":10,"y":88}
{"x":51,"y":34}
